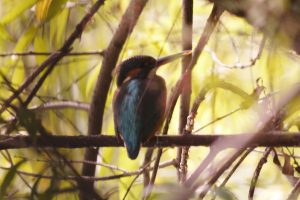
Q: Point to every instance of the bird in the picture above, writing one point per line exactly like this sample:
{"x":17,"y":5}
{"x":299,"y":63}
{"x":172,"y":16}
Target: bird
{"x":139,"y":101}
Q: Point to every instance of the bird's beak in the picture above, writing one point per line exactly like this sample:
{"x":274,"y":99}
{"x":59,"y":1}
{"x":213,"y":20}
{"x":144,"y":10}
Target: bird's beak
{"x":167,"y":59}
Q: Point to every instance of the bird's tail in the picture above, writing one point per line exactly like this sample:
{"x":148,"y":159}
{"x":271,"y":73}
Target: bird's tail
{"x":133,"y":146}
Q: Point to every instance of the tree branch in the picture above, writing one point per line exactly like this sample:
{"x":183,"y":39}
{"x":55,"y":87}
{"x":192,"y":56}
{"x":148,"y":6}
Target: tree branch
{"x":62,"y":105}
{"x":265,"y":139}
{"x":92,"y":178}
{"x":262,"y":161}
{"x":190,"y":123}
{"x":185,"y":99}
{"x":33,"y":53}
{"x":110,"y":59}
{"x":238,"y":64}
{"x":55,"y":57}
{"x":232,"y":171}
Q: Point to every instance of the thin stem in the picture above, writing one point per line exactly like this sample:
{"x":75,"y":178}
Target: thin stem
{"x":232,"y":171}
{"x":262,"y":161}
{"x":76,"y":161}
{"x":217,"y":119}
{"x":92,"y":178}
{"x":62,"y":105}
{"x":33,"y":53}
{"x":238,"y":64}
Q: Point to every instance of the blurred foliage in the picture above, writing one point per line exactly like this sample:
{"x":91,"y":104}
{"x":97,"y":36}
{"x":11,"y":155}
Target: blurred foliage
{"x":46,"y":27}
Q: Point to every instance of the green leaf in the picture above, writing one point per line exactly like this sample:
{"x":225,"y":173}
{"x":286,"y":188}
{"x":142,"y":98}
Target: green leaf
{"x":4,"y":34}
{"x":34,"y":189}
{"x":61,"y":25}
{"x":25,"y":39}
{"x":41,"y":9}
{"x":39,"y":46}
{"x":54,"y":185}
{"x":48,"y":9}
{"x":225,"y":194}
{"x":17,"y":10}
{"x":19,"y":72}
{"x":55,"y":7}
{"x":8,"y":179}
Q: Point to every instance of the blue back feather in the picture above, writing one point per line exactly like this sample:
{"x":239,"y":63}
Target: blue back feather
{"x":137,"y":112}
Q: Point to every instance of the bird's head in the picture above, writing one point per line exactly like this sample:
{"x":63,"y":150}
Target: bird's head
{"x":143,"y":66}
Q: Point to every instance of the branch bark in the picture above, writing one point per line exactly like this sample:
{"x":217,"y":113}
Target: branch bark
{"x":265,"y":139}
{"x":185,"y":99}
{"x":33,"y":53}
{"x":56,"y":56}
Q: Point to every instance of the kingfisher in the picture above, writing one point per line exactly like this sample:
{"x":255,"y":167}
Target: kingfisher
{"x":139,"y":102}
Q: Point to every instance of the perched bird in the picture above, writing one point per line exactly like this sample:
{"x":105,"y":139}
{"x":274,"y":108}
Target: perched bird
{"x":140,"y":100}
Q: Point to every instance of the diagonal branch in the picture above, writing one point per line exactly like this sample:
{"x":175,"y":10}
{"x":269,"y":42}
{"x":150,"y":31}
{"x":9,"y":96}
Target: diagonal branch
{"x":262,"y":161}
{"x":92,"y":178}
{"x":56,"y":56}
{"x":238,"y":64}
{"x":232,"y":171}
{"x":190,"y":125}
{"x":266,"y":124}
{"x":208,"y":29}
{"x":110,"y":59}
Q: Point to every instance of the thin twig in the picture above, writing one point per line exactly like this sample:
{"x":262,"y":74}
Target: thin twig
{"x":262,"y":161}
{"x":217,"y":175}
{"x":147,"y":159}
{"x":237,"y":64}
{"x":42,"y":79}
{"x":55,"y":57}
{"x":76,"y":161}
{"x":208,"y":29}
{"x":293,"y":195}
{"x":143,"y":170}
{"x":232,"y":171}
{"x":190,"y":123}
{"x":267,"y":123}
{"x":128,"y":189}
{"x":62,"y":105}
{"x":77,"y":80}
{"x":92,"y":178}
{"x":207,"y":160}
{"x":159,"y":151}
{"x":237,"y":60}
{"x":81,"y":182}
{"x":30,"y":53}
{"x":217,"y":119}
{"x":291,"y":179}
{"x":155,"y":169}
{"x":278,"y":153}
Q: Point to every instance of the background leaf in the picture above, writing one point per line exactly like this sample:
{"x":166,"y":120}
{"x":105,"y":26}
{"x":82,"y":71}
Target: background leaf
{"x":17,"y":9}
{"x":41,"y":9}
{"x":9,"y":178}
{"x":4,"y":34}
